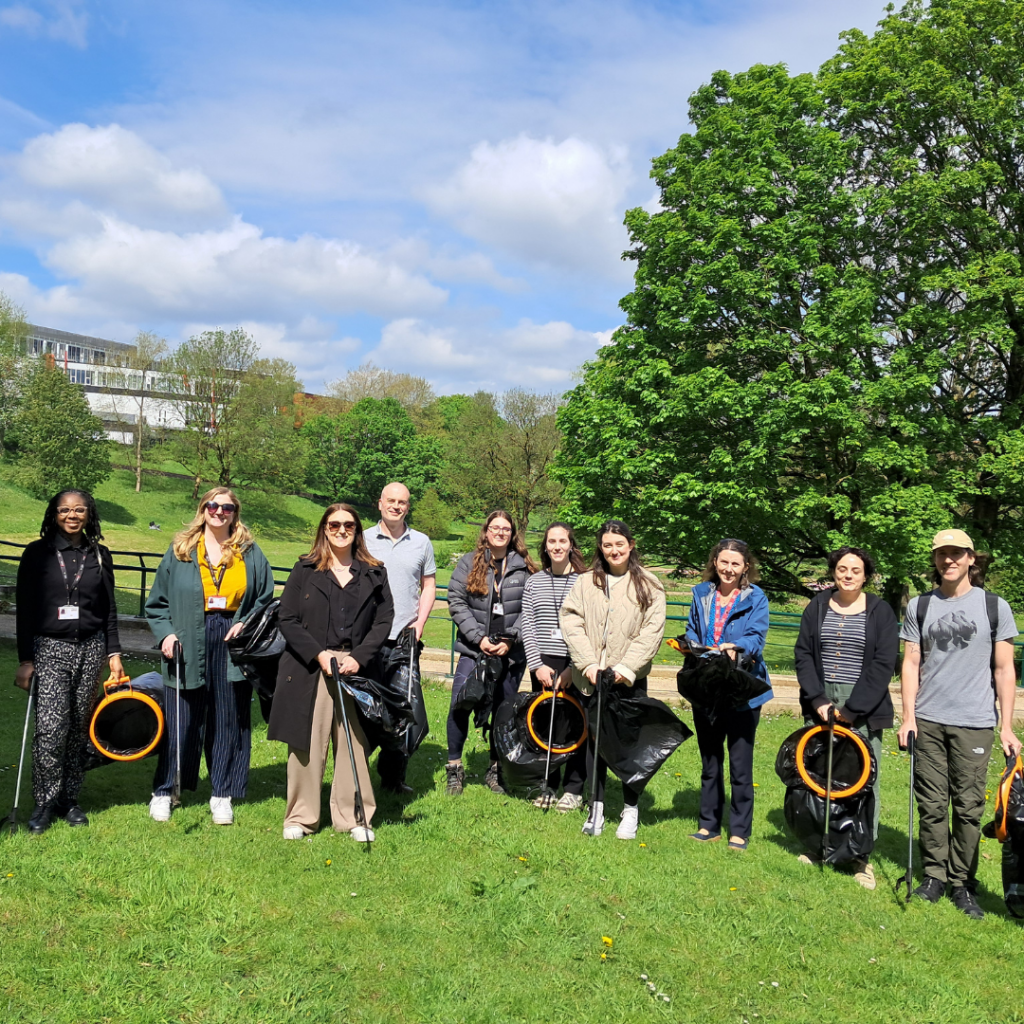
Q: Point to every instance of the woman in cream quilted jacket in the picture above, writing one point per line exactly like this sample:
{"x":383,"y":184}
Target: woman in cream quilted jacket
{"x":614,"y":618}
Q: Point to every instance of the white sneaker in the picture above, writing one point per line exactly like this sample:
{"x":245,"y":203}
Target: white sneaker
{"x":629,"y":823}
{"x":569,"y":802}
{"x":293,"y":832}
{"x":220,"y":808}
{"x":160,"y":808}
{"x":362,"y":835}
{"x":594,"y":825}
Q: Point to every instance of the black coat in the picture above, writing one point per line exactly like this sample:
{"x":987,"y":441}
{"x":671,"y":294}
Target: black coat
{"x":471,"y":613}
{"x":870,"y":701}
{"x":304,"y":619}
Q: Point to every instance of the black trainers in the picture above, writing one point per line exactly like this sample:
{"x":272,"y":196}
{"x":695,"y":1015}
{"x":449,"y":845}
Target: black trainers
{"x":931,"y":889}
{"x":456,"y":779}
{"x":42,"y":819}
{"x":966,"y":902}
{"x":75,"y":816}
{"x":492,"y":780}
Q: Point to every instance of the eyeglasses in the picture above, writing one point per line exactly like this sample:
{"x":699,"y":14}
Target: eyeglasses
{"x":79,"y":510}
{"x":337,"y":525}
{"x":500,"y":531}
{"x":228,"y":509}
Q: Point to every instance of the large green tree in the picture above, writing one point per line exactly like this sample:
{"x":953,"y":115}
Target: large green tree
{"x":823,"y":344}
{"x":60,"y":442}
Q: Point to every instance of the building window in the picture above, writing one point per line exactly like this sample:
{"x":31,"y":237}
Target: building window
{"x":99,"y":356}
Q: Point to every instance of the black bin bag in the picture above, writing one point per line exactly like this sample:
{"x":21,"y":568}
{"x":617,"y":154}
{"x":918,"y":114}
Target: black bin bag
{"x":385,"y":715}
{"x":638,"y":734}
{"x":404,"y":681}
{"x":802,"y":765}
{"x":127,"y":723}
{"x":715,"y":683}
{"x":1008,"y":828}
{"x":256,"y":650}
{"x":521,"y":729}
{"x":478,"y":693}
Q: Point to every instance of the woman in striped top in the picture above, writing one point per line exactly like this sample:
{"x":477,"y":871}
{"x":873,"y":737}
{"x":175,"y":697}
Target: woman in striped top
{"x":845,"y":659}
{"x":547,"y":655}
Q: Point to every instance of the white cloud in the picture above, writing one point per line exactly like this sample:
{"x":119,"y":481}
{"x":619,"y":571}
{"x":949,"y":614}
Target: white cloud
{"x":119,"y":172}
{"x":556,"y":204}
{"x":65,"y":24}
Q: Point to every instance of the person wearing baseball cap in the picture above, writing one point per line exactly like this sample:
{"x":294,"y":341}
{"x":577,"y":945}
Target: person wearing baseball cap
{"x":957,"y":663}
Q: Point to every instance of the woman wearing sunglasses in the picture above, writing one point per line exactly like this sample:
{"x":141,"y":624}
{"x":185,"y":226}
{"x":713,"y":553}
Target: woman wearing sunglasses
{"x":211,"y":579}
{"x":336,"y":605}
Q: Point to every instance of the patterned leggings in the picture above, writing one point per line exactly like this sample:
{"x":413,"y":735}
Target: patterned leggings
{"x":66,"y":676}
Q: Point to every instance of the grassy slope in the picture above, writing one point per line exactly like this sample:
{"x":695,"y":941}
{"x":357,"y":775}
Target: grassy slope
{"x":475,"y":909}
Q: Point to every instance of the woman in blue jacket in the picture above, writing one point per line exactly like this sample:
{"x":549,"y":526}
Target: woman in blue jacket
{"x":730,"y":614}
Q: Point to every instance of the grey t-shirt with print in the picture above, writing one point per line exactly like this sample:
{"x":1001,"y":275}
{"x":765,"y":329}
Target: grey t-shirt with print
{"x":956,"y":674}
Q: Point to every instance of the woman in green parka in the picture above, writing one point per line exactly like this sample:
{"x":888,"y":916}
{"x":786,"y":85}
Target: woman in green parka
{"x":211,"y":579}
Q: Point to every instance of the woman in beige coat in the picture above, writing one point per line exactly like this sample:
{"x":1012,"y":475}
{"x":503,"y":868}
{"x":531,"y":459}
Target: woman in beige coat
{"x":614,"y":618}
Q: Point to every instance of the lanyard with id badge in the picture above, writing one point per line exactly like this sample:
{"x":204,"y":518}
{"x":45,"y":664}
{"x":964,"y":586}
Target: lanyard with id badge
{"x":558,"y":601}
{"x":497,"y":608}
{"x":69,"y":610}
{"x":216,"y":602}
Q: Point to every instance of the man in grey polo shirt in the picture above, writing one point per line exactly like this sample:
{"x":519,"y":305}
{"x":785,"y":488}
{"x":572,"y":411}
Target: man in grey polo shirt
{"x":408,"y":557}
{"x":958,"y":659}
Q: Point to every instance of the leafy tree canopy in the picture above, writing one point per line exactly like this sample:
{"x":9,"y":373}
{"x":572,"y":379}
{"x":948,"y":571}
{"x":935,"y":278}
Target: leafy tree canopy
{"x":824,"y":344}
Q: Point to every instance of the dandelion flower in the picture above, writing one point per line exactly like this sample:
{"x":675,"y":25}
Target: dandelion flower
{"x":732,"y":888}
{"x":328,"y":862}
{"x":607,"y":941}
{"x":643,"y":846}
{"x":523,"y":859}
{"x":10,"y":874}
{"x":604,"y":956}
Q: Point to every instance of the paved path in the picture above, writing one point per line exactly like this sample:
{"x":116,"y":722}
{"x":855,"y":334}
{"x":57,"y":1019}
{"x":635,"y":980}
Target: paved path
{"x":137,"y":639}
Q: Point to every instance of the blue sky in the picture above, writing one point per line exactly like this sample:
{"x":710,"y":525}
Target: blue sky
{"x":438,"y":187}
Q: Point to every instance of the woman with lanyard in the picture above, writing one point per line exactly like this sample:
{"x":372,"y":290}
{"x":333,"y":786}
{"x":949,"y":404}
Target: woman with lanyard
{"x":730,"y":614}
{"x":211,"y":579}
{"x":547,"y":656}
{"x":846,"y":656}
{"x":485,"y":597}
{"x":613,"y":618}
{"x":66,"y":628}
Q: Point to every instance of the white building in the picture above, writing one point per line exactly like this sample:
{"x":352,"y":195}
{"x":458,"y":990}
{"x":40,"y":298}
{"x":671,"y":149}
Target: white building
{"x":114,"y":389}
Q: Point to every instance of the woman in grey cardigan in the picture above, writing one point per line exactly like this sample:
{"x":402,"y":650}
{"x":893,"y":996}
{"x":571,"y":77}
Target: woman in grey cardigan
{"x":211,"y":579}
{"x":485,"y":597}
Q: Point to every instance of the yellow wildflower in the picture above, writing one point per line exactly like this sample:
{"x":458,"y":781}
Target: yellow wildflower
{"x":607,"y":941}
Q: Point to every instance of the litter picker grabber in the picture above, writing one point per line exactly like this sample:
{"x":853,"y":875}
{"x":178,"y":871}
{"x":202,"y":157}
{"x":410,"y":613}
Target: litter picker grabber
{"x":178,"y":657}
{"x":551,"y":743}
{"x":828,"y":786}
{"x":346,"y":728}
{"x":908,"y":879}
{"x":10,"y":825}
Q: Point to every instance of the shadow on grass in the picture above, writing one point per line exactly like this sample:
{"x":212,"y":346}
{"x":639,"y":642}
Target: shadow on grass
{"x":111,"y":512}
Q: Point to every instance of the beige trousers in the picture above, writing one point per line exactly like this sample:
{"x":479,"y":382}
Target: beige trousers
{"x":306,"y":768}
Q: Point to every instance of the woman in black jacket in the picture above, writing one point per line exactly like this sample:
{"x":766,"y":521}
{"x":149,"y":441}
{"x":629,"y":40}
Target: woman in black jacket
{"x":485,"y":598}
{"x":67,"y":629}
{"x":846,"y":656}
{"x":336,"y":604}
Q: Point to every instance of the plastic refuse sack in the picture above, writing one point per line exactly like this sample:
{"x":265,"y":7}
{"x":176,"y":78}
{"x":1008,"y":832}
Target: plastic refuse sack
{"x":638,"y":734}
{"x":125,"y":724}
{"x":712,"y":681}
{"x":403,"y":679}
{"x":478,"y":693}
{"x":256,"y":650}
{"x":522,"y":754}
{"x":854,"y":770}
{"x":385,"y":715}
{"x":1008,"y":828}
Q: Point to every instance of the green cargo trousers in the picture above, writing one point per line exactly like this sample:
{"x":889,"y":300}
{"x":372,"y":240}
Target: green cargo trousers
{"x":951,"y":768}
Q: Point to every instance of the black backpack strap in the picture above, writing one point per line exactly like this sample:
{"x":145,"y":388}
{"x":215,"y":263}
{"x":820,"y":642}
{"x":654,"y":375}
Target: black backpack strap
{"x":992,"y":610}
{"x":922,"y":610}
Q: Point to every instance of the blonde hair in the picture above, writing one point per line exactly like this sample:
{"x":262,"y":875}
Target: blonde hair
{"x":239,"y":537}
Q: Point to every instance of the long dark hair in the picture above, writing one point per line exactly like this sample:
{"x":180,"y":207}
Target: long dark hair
{"x":575,"y":555}
{"x":321,"y":553}
{"x":750,"y":575}
{"x":476,"y":582}
{"x":92,"y":532}
{"x":641,"y":585}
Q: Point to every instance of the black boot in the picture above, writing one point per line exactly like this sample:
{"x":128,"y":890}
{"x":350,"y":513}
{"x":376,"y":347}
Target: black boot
{"x":42,"y":819}
{"x":74,"y":816}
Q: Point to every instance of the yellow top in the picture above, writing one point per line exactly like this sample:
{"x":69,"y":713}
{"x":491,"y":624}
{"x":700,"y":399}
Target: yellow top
{"x":232,"y":581}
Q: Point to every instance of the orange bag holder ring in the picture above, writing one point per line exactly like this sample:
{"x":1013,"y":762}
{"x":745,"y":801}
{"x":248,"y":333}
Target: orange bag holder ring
{"x":837,"y":794}
{"x":121,"y":689}
{"x":551,"y":695}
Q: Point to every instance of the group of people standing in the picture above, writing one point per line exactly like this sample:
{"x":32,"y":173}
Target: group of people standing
{"x":357,"y":603}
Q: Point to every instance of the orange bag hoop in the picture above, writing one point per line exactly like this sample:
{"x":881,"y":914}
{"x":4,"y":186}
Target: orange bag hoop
{"x":125,"y":694}
{"x":837,"y":794}
{"x":549,"y":695}
{"x":1003,"y":798}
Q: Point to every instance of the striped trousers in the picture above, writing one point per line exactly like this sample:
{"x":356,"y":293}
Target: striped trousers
{"x":215,"y":719}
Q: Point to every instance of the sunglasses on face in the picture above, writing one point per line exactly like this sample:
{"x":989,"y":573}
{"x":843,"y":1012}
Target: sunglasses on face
{"x":337,"y":525}
{"x":79,"y":510}
{"x":228,"y":509}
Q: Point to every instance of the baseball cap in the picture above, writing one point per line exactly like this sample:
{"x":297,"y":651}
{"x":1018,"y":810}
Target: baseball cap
{"x":952,"y":539}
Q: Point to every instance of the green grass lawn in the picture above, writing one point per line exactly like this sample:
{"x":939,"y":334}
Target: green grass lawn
{"x":476,"y":909}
